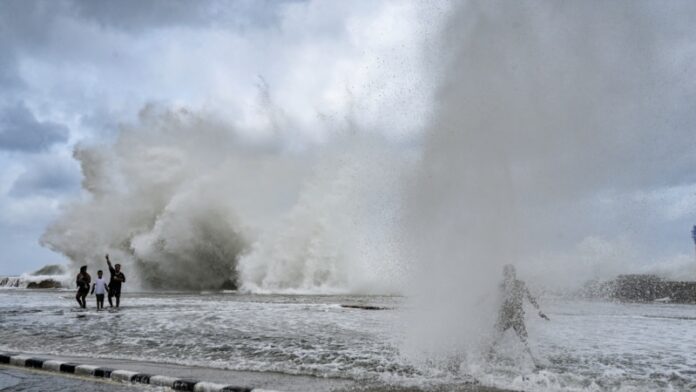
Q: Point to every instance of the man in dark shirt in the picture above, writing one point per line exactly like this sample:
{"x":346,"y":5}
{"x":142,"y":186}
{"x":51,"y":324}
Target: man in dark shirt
{"x":117,"y":278}
{"x":511,"y":313}
{"x":83,"y":280}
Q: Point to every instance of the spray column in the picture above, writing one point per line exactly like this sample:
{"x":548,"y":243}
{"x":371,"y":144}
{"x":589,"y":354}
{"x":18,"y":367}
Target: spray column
{"x":693,"y":236}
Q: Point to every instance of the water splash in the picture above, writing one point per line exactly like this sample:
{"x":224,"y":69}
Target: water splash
{"x":187,"y":203}
{"x":542,"y":108}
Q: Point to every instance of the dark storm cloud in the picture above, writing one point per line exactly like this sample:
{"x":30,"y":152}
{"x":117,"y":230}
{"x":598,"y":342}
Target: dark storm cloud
{"x":48,"y":176}
{"x":31,"y":27}
{"x":139,"y":15}
{"x":26,"y":23}
{"x":136,"y":15}
{"x":9,"y":80}
{"x":21,"y":131}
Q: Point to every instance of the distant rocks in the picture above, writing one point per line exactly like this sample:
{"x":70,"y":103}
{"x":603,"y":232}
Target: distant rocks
{"x":44,"y":284}
{"x":642,"y":288}
{"x":228,"y":285}
{"x":363,"y":307}
{"x":48,"y":277}
{"x":20,"y":282}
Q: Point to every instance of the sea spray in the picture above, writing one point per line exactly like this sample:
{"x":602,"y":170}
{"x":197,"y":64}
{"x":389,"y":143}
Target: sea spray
{"x":339,"y":237}
{"x":172,"y":200}
{"x":186,"y":202}
{"x":543,"y":108}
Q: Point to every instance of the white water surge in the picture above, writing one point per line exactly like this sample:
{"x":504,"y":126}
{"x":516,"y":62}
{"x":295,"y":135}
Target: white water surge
{"x":540,"y":112}
{"x":187,"y":203}
{"x":543,"y":108}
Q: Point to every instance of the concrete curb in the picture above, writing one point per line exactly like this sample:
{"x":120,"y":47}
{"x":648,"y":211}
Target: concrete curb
{"x":125,"y":376}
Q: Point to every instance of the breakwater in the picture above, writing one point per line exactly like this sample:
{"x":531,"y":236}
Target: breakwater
{"x":642,"y":288}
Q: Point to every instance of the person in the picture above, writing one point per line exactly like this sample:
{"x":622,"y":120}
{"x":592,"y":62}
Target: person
{"x":511,"y":313}
{"x":83,"y":280}
{"x":100,"y":287}
{"x":117,"y":279}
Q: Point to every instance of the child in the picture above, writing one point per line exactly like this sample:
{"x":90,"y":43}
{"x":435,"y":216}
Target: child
{"x":100,"y":288}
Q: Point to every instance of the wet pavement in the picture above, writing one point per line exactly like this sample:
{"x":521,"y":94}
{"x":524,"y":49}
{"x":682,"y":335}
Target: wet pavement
{"x":15,"y":380}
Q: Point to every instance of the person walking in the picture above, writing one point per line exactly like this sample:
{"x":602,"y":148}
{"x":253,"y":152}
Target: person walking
{"x":511,"y":313}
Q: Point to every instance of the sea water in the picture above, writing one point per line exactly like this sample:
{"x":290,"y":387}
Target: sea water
{"x":587,"y":346}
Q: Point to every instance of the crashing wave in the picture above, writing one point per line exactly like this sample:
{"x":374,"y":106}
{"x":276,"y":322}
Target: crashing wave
{"x":48,"y":277}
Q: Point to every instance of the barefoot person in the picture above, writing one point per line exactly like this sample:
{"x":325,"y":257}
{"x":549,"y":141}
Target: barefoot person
{"x":117,"y":278}
{"x":100,"y":287}
{"x":83,"y":280}
{"x":511,"y":314}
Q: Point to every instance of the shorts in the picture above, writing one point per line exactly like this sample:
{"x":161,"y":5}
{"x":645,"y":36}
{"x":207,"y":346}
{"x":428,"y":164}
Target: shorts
{"x":82,"y":292}
{"x":115,"y":292}
{"x":100,"y":297}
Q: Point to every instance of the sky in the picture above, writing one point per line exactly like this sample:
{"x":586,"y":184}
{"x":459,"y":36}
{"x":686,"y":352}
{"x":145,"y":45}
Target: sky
{"x":72,"y":73}
{"x":75,"y":73}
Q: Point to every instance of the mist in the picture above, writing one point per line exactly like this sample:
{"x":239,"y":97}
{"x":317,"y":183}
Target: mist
{"x":186,"y":202}
{"x":537,"y":126}
{"x":544,"y":109}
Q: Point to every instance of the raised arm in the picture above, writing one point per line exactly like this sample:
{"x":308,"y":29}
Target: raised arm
{"x":108,"y":262}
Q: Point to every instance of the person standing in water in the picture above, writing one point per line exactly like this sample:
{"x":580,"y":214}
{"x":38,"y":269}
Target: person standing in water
{"x":100,"y":287}
{"x":83,"y":280}
{"x":117,"y":278}
{"x":511,"y":313}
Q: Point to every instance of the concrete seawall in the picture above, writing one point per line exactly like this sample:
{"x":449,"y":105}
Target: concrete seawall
{"x":126,"y":376}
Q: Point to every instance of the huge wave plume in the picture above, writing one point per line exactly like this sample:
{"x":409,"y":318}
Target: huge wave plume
{"x":546,"y":119}
{"x":185,"y":202}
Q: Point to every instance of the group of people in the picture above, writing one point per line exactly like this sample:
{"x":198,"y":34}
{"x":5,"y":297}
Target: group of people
{"x":100,"y":287}
{"x":510,"y":315}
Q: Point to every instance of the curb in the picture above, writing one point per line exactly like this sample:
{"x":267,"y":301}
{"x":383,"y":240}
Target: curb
{"x":124,"y":376}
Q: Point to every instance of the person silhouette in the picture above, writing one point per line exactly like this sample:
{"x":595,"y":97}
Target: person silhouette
{"x":511,"y":312}
{"x":82,"y":281}
{"x":117,"y":278}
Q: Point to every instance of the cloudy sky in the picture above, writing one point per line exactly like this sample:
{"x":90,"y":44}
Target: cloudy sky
{"x":72,"y":73}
